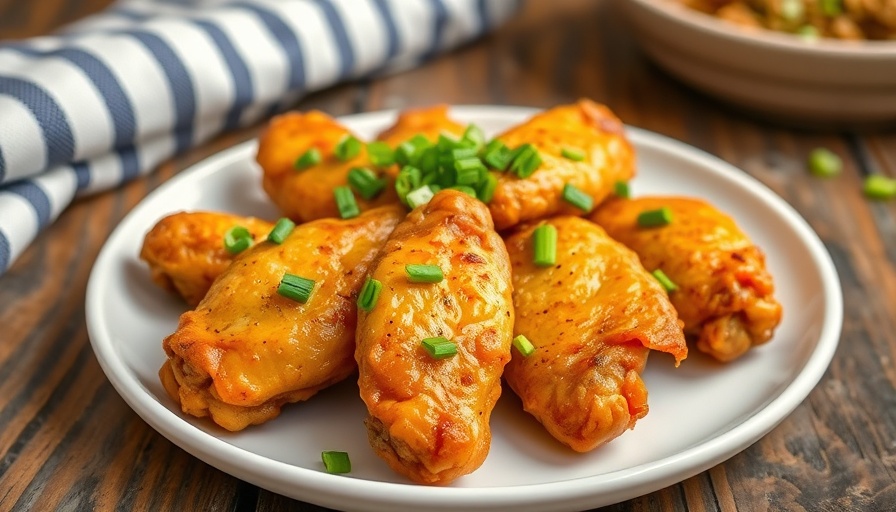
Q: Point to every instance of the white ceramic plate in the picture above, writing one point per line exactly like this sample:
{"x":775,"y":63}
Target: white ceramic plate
{"x":700,"y":414}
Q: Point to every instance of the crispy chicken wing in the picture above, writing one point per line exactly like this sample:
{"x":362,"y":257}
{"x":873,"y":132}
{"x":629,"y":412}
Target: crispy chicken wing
{"x":185,"y":251}
{"x":307,"y":194}
{"x":592,"y":317}
{"x":725,"y":295}
{"x":427,"y":121}
{"x":247,"y":350}
{"x":585,"y":126}
{"x":429,"y":418}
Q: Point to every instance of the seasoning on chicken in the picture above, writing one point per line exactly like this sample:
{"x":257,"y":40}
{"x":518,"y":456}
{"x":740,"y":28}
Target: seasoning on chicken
{"x":592,"y":316}
{"x":725,"y":294}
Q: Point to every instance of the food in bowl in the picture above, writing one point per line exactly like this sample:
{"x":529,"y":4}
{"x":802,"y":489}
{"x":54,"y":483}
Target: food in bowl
{"x":839,"y":19}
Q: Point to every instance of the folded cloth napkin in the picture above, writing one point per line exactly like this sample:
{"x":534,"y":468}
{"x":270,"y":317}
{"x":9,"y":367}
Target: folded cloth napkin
{"x":109,"y":97}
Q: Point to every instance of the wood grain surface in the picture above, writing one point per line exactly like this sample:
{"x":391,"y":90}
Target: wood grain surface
{"x":69,"y":442}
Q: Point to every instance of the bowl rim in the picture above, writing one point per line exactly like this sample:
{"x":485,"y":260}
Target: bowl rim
{"x":767,"y":37}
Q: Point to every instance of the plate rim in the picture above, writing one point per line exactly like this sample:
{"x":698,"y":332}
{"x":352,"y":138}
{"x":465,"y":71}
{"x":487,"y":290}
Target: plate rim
{"x":339,"y":491}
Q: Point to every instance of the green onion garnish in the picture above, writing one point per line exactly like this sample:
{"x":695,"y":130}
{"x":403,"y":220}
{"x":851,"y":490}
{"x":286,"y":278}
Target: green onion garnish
{"x":408,"y":179}
{"x":370,"y":293}
{"x":473,"y":136}
{"x":470,"y":191}
{"x":526,"y":161}
{"x":281,"y":230}
{"x":824,"y":163}
{"x":577,"y":198}
{"x":410,"y":151}
{"x":574,"y":154}
{"x":544,"y":241}
{"x":831,"y":8}
{"x":487,"y":188}
{"x":308,"y":158}
{"x":469,"y":171}
{"x":237,"y":239}
{"x":424,"y":273}
{"x":365,"y":183}
{"x":381,"y":155}
{"x":296,"y":287}
{"x":655,"y":218}
{"x":347,"y":148}
{"x":664,"y":280}
{"x":879,"y":187}
{"x":419,"y":196}
{"x":523,"y":345}
{"x":345,"y":202}
{"x":439,"y":347}
{"x":497,"y":155}
{"x":336,"y":462}
{"x":622,"y":189}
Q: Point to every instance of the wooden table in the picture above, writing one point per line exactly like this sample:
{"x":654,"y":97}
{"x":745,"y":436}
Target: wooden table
{"x":68,"y":441}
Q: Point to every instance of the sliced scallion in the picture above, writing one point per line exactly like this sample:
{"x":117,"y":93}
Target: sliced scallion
{"x":439,"y":347}
{"x":574,"y":196}
{"x":308,"y":158}
{"x":381,"y":155}
{"x":345,"y":202}
{"x":295,"y":287}
{"x":336,"y":462}
{"x":824,"y":163}
{"x":365,"y":183}
{"x":237,"y":239}
{"x":370,"y":293}
{"x":419,"y":196}
{"x":664,"y":280}
{"x":281,"y":230}
{"x":424,"y":273}
{"x":622,"y":189}
{"x":544,"y":243}
{"x":879,"y":187}
{"x":655,"y":218}
{"x":523,"y":345}
{"x":347,"y":148}
{"x":574,"y":154}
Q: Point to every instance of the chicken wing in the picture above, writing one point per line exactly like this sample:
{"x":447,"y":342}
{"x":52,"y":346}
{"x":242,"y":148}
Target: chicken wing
{"x":592,"y":317}
{"x":584,"y":126}
{"x":725,"y":294}
{"x":247,"y":350}
{"x":185,"y":251}
{"x":427,"y":121}
{"x":307,"y":194}
{"x":429,"y":418}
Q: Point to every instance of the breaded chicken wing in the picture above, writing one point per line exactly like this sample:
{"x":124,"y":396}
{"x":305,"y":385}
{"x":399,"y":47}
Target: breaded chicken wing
{"x":427,"y":121}
{"x":185,"y":251}
{"x":429,"y":418}
{"x":593,"y":317}
{"x":584,"y":126}
{"x":247,"y":350}
{"x":307,"y":194}
{"x":725,"y":294}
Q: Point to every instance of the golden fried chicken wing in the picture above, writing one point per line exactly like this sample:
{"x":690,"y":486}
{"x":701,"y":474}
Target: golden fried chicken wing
{"x":307,"y":194}
{"x":725,"y":294}
{"x":246,"y":350}
{"x":185,"y":250}
{"x":427,"y":121}
{"x":429,"y":418}
{"x":584,"y":126}
{"x":593,"y":317}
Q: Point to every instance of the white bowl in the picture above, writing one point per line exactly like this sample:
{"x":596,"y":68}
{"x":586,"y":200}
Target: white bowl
{"x":828,"y":82}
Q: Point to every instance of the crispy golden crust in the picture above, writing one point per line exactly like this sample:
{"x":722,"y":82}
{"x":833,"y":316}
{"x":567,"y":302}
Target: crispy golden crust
{"x":593,"y":318}
{"x":305,"y":195}
{"x":246,"y":350}
{"x":427,"y":121}
{"x":429,"y":418}
{"x":586,"y":126}
{"x":185,"y":251}
{"x":725,"y":295}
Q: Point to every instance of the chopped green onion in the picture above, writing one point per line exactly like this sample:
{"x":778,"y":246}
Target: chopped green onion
{"x":419,"y":196}
{"x":469,"y":171}
{"x":664,"y":280}
{"x":544,"y":241}
{"x":622,"y":189}
{"x":345,"y":202}
{"x":347,"y":148}
{"x":808,"y":33}
{"x":474,"y":136}
{"x":792,"y":10}
{"x":429,"y":160}
{"x":497,"y":155}
{"x":336,"y":462}
{"x":439,"y":347}
{"x":523,"y":345}
{"x":424,"y":273}
{"x":446,"y":142}
{"x":365,"y":183}
{"x":281,"y":230}
{"x":577,"y":198}
{"x":409,"y":152}
{"x":831,"y":8}
{"x":655,"y":218}
{"x":487,"y":187}
{"x":574,"y":154}
{"x":526,"y":161}
{"x":879,"y":187}
{"x":308,"y":158}
{"x":370,"y":293}
{"x":408,"y":179}
{"x":237,"y":239}
{"x":296,"y":287}
{"x":470,"y":191}
{"x":461,"y":153}
{"x":824,"y":163}
{"x":381,"y":155}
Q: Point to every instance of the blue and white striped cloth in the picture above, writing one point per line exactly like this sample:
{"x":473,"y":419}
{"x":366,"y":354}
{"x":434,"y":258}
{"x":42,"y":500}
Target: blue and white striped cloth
{"x":111,"y":96}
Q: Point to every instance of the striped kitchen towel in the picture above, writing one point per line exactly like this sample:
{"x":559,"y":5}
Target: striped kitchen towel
{"x":109,"y":97}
